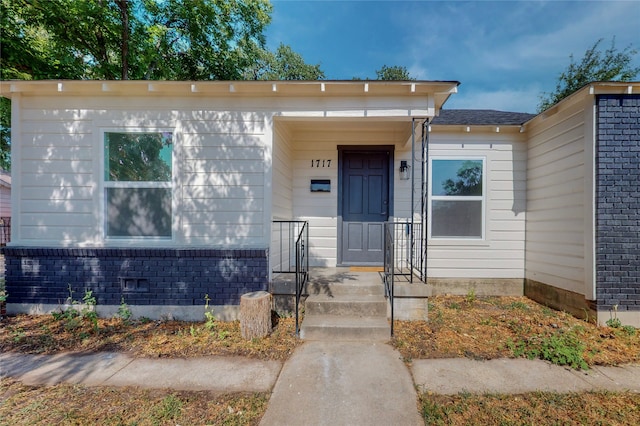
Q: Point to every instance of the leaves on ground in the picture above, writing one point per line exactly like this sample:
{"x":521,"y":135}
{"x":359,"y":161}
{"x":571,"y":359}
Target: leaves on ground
{"x":458,"y":326}
{"x":537,"y":408}
{"x":81,"y":405}
{"x":495,"y":327}
{"x":43,"y":334}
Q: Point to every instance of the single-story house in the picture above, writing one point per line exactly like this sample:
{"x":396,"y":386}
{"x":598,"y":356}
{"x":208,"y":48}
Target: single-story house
{"x":162,"y":192}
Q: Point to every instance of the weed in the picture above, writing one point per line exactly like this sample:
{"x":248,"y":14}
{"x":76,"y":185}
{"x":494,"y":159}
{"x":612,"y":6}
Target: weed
{"x":559,"y":348}
{"x":629,"y":329}
{"x":518,"y":305}
{"x":487,"y":321}
{"x":124,"y":312}
{"x":431,"y":412}
{"x":89,"y":309}
{"x":223,"y":334}
{"x":169,"y":409}
{"x":454,"y":305}
{"x":210,"y":319}
{"x":74,"y":316}
{"x":614,"y":321}
{"x":18,"y":334}
{"x":3,"y":291}
{"x":471,"y":296}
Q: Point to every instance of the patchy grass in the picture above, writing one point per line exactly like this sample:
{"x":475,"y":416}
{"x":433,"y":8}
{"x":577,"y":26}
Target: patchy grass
{"x":80,"y":405}
{"x":538,"y":408}
{"x":43,"y":334}
{"x":458,"y":326}
{"x":495,"y":327}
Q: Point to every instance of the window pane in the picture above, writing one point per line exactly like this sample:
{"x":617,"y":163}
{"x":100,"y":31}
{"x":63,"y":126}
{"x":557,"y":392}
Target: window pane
{"x":456,"y":218}
{"x":138,"y":157}
{"x":456,"y":177}
{"x":139,"y":212}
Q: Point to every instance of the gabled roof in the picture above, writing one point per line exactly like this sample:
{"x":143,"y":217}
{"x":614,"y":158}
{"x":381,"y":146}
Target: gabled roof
{"x":481,"y":117}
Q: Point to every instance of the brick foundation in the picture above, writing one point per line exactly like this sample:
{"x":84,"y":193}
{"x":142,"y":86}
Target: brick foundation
{"x":143,"y":276}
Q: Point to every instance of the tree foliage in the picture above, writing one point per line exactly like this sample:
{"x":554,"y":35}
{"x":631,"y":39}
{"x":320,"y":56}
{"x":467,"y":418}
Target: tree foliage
{"x":596,"y":65}
{"x":134,"y":39}
{"x":393,"y":73}
{"x":283,"y":64}
{"x":468,"y":182}
{"x":139,"y":39}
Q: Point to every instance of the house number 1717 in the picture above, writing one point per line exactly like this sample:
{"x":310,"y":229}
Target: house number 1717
{"x":320,"y":163}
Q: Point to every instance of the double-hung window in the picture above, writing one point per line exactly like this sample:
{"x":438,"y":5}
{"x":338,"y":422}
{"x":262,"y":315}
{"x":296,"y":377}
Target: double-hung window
{"x":457,"y":198}
{"x":137,"y":184}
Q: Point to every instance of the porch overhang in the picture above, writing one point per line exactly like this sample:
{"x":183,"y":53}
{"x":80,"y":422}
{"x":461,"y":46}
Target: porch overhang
{"x":346,"y":104}
{"x":325,"y":89}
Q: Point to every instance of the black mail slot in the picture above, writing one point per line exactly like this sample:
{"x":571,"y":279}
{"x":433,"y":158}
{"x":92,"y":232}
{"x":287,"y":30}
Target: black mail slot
{"x":320,"y":185}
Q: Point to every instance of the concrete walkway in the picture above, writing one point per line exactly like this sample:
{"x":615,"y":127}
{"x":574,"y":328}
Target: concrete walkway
{"x":323,"y":382}
{"x":344,"y":383}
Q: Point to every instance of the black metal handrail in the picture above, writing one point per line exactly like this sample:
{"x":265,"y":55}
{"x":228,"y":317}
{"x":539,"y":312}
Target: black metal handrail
{"x":5,"y":230}
{"x":408,"y":248}
{"x":302,"y":267}
{"x":389,"y":266}
{"x":292,"y":239}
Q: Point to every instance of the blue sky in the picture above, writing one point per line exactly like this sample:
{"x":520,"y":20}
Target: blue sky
{"x":505,"y":53}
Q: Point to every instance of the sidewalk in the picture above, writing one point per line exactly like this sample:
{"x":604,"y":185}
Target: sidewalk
{"x":323,"y":382}
{"x":224,"y":374}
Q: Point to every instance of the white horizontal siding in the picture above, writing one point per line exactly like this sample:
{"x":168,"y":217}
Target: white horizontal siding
{"x":219,"y":168}
{"x":5,"y":202}
{"x":319,"y":208}
{"x":556,"y":201}
{"x":501,"y":253}
{"x":229,"y":208}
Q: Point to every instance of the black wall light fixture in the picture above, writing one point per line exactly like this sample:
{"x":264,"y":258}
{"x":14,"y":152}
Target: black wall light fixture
{"x":404,"y":170}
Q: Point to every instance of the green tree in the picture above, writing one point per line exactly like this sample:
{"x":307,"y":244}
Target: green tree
{"x":283,"y":64}
{"x":5,"y":134}
{"x":394,"y":73}
{"x":142,"y":39}
{"x":468,"y":182}
{"x":596,"y":65}
{"x":139,"y":39}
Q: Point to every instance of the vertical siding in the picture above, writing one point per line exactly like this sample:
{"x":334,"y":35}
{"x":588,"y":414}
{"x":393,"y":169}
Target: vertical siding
{"x":219,"y":168}
{"x":501,"y":253}
{"x":556,"y":200}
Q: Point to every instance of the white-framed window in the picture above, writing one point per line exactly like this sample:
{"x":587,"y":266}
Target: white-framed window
{"x":457,"y":197}
{"x":138,"y":172}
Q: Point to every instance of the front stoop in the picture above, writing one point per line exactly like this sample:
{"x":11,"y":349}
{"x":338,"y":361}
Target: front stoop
{"x":348,"y":310}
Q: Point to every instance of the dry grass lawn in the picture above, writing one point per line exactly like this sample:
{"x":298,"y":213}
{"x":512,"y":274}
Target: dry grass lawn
{"x":458,"y":326}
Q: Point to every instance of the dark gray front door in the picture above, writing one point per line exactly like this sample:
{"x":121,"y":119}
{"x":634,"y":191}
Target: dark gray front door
{"x":365,"y":206}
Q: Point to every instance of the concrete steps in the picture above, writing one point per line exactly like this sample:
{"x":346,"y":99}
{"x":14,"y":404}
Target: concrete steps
{"x":353,"y":308}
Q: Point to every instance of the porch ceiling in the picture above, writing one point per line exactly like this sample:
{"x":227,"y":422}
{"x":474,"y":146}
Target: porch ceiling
{"x":391,"y":132}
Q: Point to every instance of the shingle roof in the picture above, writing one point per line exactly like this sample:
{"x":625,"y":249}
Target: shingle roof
{"x":481,"y":117}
